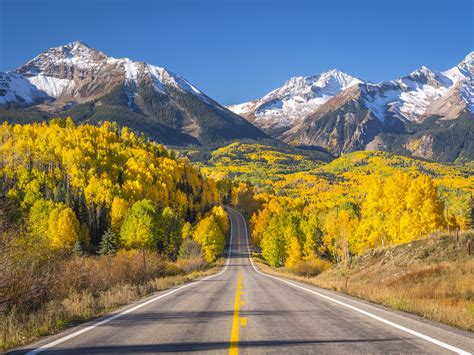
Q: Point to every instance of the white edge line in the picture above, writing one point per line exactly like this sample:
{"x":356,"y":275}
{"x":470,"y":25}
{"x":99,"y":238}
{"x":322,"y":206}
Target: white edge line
{"x":380,"y":319}
{"x":118,"y":315}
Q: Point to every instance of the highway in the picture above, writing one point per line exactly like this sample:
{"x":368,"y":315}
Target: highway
{"x":241,"y":310}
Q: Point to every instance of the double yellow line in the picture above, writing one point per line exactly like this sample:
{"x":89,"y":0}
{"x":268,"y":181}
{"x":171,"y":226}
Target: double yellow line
{"x":234,"y":336}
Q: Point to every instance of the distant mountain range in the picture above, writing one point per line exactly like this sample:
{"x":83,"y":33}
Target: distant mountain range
{"x":86,"y":84}
{"x":426,"y":113}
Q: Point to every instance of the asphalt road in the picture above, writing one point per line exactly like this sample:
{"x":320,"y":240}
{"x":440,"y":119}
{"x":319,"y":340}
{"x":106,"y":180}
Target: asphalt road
{"x":240,"y":310}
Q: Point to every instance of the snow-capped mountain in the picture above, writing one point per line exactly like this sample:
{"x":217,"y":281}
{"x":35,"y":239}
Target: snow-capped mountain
{"x":426,"y":113}
{"x":68,"y":71}
{"x":297,"y":98}
{"x":364,"y":116}
{"x":411,"y":98}
{"x":415,"y":96}
{"x":87,"y":84}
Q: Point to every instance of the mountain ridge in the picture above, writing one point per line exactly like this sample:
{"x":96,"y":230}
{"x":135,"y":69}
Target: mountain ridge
{"x":346,"y":120}
{"x":417,"y":114}
{"x":90,"y":86}
{"x":294,"y":100}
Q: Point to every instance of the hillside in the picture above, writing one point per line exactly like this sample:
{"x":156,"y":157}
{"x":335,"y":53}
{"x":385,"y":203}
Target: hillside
{"x":94,"y":174}
{"x":431,"y":277}
{"x":288,"y":171}
{"x":261,"y":164}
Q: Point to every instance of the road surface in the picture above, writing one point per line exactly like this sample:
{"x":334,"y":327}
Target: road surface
{"x":240,"y":310}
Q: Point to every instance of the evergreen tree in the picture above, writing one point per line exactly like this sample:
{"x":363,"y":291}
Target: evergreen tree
{"x":77,"y":248}
{"x":108,"y":244}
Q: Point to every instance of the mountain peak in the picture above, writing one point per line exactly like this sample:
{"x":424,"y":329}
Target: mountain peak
{"x":330,"y":77}
{"x":467,"y":64}
{"x":334,"y":72}
{"x":423,"y":70}
{"x":74,"y":54}
{"x":75,"y":74}
{"x":298,"y":97}
{"x":77,"y":44}
{"x":76,"y":48}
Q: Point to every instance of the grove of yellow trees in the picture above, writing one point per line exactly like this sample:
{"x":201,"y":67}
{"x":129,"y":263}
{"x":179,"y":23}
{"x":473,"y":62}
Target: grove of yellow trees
{"x":384,"y":211}
{"x":72,"y":185}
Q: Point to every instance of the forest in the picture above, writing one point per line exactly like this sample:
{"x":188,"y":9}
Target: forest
{"x":96,"y":216}
{"x":88,"y":209}
{"x":308,"y":215}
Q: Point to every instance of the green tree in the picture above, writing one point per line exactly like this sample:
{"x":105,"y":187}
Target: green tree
{"x":108,"y":244}
{"x":211,"y":238}
{"x":140,"y":228}
{"x":273,"y":243}
{"x":171,"y":232}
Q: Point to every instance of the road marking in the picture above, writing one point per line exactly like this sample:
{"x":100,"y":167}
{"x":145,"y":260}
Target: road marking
{"x":243,"y":321}
{"x":373,"y":316}
{"x":234,"y":335}
{"x":130,"y":310}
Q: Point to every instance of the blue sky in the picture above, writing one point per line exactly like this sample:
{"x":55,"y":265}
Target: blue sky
{"x":236,"y":51}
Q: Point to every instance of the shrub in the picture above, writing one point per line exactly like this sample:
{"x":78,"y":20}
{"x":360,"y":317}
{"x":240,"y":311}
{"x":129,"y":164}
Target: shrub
{"x":190,"y":249}
{"x":310,"y":266}
{"x":189,"y":265}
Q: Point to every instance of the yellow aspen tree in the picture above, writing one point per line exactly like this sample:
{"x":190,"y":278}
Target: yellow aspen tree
{"x":294,"y":253}
{"x":210,"y":237}
{"x":118,"y":212}
{"x":63,"y":228}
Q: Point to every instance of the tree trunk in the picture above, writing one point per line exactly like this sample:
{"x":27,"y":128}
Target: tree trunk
{"x":144,"y":264}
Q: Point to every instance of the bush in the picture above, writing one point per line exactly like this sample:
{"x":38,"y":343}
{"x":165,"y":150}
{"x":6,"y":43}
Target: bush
{"x":190,"y":249}
{"x":309,"y":267}
{"x":28,"y":271}
{"x":189,"y":265}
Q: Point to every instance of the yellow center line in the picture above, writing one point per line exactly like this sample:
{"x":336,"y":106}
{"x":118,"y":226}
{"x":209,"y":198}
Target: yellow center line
{"x":234,"y":336}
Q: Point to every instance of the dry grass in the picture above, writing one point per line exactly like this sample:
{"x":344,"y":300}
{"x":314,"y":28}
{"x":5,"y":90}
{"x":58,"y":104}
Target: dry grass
{"x":432,"y":277}
{"x":91,"y":287}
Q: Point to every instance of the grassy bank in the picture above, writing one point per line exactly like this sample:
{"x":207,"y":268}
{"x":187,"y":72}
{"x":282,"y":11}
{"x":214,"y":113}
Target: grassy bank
{"x":432,"y":277}
{"x":89,"y":300}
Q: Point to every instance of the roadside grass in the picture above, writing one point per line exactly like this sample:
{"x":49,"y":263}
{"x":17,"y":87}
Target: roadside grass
{"x":85,"y":303}
{"x":432,"y":277}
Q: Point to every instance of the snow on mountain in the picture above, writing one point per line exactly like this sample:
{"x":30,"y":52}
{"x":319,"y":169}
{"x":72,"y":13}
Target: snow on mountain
{"x":87,"y":85}
{"x":72,"y":71}
{"x":406,"y":98}
{"x":76,"y":73}
{"x":296,"y":99}
{"x":462,"y":76}
{"x":16,"y":88}
{"x":413,"y":97}
{"x":410,"y":98}
{"x":463,"y":70}
{"x":52,"y":86}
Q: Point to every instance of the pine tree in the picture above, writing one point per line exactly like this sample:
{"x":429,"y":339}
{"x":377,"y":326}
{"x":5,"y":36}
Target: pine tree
{"x":77,"y":248}
{"x":108,"y":244}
